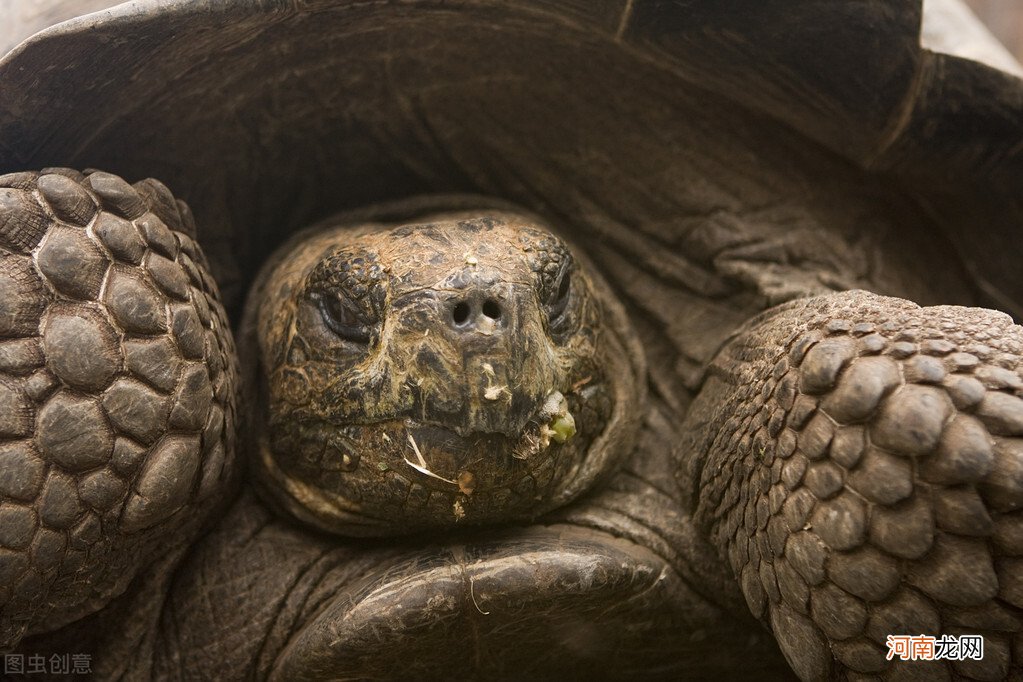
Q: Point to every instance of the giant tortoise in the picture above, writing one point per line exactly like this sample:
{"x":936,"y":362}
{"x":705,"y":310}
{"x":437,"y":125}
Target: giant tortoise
{"x":609,"y":339}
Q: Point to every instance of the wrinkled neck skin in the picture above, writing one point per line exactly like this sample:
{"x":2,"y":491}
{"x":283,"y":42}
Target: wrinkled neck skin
{"x":462,"y":369}
{"x":781,"y":270}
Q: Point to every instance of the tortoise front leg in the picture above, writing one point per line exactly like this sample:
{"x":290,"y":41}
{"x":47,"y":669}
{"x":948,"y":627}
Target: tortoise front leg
{"x":117,"y":377}
{"x":858,"y":462}
{"x":615,"y":587}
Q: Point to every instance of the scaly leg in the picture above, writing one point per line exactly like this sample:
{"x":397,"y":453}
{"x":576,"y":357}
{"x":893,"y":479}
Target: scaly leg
{"x":858,"y":462}
{"x":117,"y":380}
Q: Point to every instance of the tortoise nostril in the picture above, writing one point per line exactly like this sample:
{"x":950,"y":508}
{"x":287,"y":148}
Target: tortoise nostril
{"x":491,"y":309}
{"x":460,"y":314}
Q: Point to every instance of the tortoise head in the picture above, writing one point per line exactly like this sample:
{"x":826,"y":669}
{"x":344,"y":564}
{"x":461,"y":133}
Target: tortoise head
{"x":467,"y":369}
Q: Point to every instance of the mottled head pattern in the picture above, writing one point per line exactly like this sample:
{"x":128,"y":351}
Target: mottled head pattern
{"x":462,"y":370}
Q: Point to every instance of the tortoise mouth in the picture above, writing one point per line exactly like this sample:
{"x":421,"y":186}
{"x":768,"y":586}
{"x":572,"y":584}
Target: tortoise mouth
{"x":404,"y":475}
{"x":455,"y":444}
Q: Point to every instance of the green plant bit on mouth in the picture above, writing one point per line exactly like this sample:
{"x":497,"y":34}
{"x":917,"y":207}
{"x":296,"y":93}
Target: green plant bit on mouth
{"x":561,"y":425}
{"x":563,"y":428}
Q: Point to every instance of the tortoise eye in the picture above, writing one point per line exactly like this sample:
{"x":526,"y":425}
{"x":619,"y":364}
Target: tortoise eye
{"x":343,"y":318}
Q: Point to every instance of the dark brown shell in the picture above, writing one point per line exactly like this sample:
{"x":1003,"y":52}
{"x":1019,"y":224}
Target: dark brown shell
{"x":607,"y":113}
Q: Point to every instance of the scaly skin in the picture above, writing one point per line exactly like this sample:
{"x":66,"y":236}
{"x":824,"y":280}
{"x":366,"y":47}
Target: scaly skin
{"x":417,"y":376}
{"x":117,"y":380}
{"x":858,"y":462}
